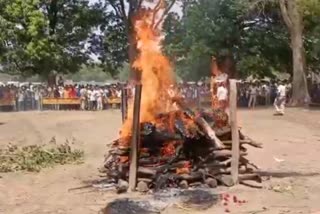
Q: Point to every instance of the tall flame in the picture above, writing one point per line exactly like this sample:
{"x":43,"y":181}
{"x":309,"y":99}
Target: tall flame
{"x":156,"y":70}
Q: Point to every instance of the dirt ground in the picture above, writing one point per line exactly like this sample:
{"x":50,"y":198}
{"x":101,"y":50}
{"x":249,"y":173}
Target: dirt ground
{"x":290,"y":155}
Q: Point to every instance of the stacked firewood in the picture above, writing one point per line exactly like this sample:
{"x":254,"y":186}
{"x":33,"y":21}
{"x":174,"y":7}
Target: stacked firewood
{"x":177,"y":149}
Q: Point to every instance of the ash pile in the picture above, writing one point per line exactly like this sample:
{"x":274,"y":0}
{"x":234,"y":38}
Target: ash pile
{"x":182,"y":149}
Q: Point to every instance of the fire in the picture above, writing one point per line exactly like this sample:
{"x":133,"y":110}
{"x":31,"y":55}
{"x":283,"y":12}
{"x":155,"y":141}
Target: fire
{"x":156,"y":70}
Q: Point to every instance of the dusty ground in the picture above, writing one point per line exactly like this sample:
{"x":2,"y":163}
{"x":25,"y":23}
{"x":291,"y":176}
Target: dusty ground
{"x":291,"y":155}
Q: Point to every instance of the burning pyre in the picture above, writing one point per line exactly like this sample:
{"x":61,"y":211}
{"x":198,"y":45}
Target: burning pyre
{"x":178,"y":147}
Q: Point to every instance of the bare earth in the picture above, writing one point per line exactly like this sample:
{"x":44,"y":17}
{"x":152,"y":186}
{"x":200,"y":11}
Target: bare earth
{"x":291,"y":155}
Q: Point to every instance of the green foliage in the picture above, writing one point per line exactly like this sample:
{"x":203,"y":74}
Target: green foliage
{"x":253,"y":31}
{"x":90,"y":73}
{"x":34,"y":158}
{"x":124,"y":72}
{"x":39,"y":36}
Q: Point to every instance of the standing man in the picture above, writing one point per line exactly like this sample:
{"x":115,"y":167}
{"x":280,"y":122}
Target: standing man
{"x":83,"y":98}
{"x":37,"y":98}
{"x":21,"y":97}
{"x":280,"y":100}
{"x":267,"y":93}
{"x":253,"y":92}
{"x":99,"y":99}
{"x":222,"y":95}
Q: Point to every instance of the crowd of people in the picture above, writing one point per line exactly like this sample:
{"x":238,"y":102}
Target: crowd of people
{"x":30,"y":97}
{"x":95,"y":97}
{"x":261,"y":93}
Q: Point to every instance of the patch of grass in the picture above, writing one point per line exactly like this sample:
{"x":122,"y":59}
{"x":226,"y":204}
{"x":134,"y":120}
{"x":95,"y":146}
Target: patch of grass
{"x":33,"y":158}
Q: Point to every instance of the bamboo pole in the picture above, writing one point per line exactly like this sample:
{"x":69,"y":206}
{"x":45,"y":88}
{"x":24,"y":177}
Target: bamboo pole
{"x":135,"y":138}
{"x":235,"y":132}
{"x":124,"y":103}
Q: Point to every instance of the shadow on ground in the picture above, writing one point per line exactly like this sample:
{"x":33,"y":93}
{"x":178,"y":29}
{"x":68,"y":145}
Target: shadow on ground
{"x":275,"y":174}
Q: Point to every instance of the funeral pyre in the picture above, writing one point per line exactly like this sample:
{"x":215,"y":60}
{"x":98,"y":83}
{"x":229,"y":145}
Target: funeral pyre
{"x":178,"y":147}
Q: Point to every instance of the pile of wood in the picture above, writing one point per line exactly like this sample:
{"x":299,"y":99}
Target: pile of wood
{"x":182,"y":149}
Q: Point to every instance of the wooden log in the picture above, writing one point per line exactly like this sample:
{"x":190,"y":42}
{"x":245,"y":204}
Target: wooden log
{"x":146,"y":180}
{"x":124,"y":104}
{"x":194,"y":176}
{"x":243,"y":142}
{"x":251,"y":176}
{"x":227,"y":130}
{"x":227,"y":153}
{"x":209,"y":132}
{"x":202,"y":123}
{"x":251,"y":184}
{"x":135,"y":139}
{"x":246,"y":162}
{"x":223,"y":131}
{"x":235,"y":132}
{"x":147,"y":171}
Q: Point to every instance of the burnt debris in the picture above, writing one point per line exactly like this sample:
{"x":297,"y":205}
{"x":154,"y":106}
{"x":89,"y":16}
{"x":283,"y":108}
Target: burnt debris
{"x":175,"y":151}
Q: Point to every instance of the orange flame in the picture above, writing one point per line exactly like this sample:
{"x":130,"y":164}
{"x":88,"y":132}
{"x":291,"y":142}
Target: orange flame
{"x":156,"y":71}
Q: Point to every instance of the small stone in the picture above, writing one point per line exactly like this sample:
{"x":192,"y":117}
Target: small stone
{"x":226,"y":180}
{"x":142,"y":187}
{"x":122,"y":186}
{"x":211,"y":182}
{"x":183,"y":184}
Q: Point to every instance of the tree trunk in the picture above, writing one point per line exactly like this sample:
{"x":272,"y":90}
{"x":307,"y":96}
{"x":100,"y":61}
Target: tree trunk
{"x":293,"y":20}
{"x":52,"y":78}
{"x":133,"y":53}
{"x":300,"y":94}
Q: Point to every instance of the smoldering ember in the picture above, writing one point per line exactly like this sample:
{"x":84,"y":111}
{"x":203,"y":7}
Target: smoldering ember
{"x":179,"y":146}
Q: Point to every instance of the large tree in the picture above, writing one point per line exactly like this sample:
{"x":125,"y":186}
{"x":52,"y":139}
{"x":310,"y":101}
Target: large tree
{"x":253,"y":31}
{"x":257,"y":41}
{"x":40,"y":36}
{"x":294,"y":21}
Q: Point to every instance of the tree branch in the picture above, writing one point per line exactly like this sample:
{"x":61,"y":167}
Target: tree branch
{"x":125,"y":17}
{"x":117,"y":10}
{"x":140,"y":3}
{"x":164,"y":14}
{"x":156,"y":10}
{"x":284,"y":13}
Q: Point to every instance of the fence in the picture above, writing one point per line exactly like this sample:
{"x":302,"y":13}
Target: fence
{"x":52,"y":104}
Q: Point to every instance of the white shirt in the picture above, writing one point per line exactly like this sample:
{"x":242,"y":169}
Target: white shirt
{"x":266,"y":88}
{"x":36,"y":95}
{"x":253,"y":90}
{"x":281,"y":91}
{"x":118,"y":92}
{"x":83,"y":92}
{"x":222,"y":93}
{"x":93,"y":95}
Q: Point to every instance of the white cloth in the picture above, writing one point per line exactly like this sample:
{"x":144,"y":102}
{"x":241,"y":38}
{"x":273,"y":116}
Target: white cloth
{"x":282,"y":91}
{"x":222,"y":93}
{"x":83,"y":92}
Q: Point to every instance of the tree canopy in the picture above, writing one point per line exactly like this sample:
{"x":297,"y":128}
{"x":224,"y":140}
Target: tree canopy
{"x":39,"y":36}
{"x":255,"y":34}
